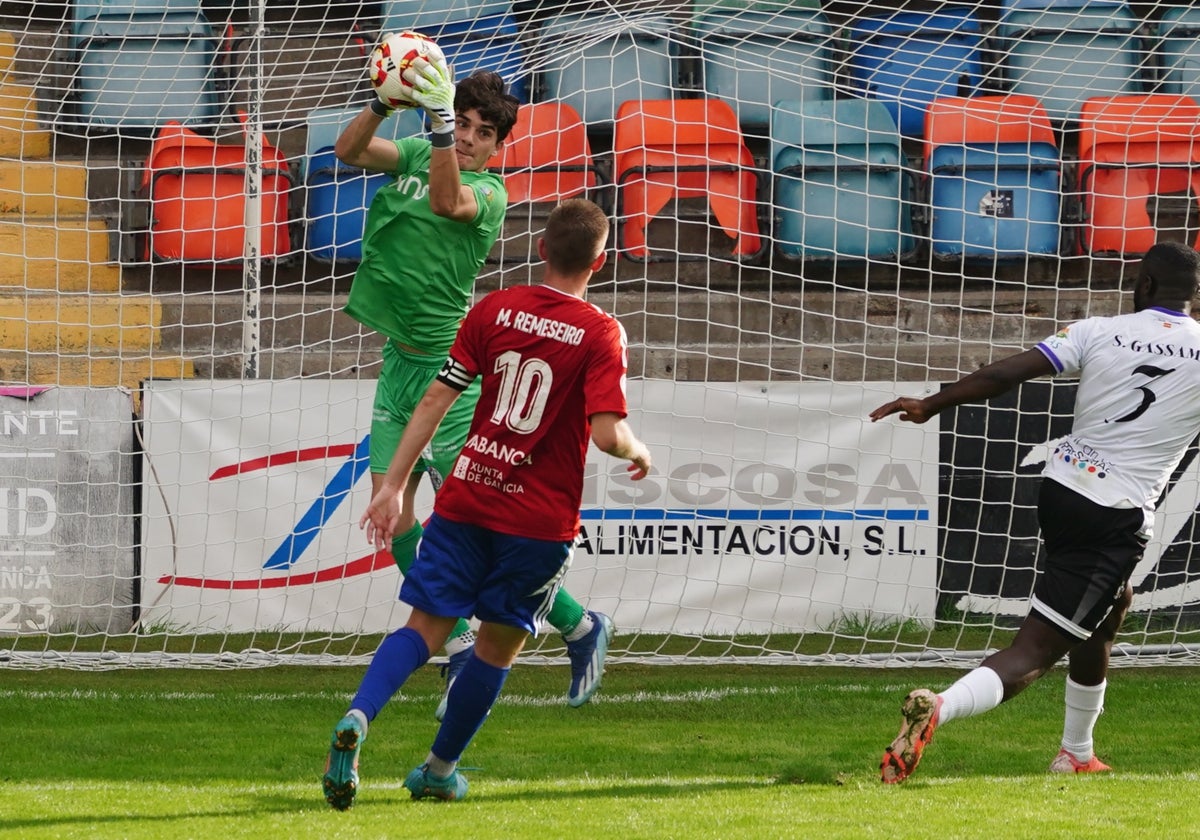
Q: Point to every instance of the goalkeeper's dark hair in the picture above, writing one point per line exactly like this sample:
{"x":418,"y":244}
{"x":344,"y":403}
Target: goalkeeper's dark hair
{"x":485,"y":91}
{"x":576,"y":233}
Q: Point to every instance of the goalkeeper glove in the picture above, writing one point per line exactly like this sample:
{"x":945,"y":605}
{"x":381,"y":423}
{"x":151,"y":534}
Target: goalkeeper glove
{"x":433,"y":90}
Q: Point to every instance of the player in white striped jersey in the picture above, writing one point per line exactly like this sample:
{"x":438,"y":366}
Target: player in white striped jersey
{"x":1136,"y":410}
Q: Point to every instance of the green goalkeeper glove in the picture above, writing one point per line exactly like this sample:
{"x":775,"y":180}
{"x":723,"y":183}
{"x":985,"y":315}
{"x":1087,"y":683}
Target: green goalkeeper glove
{"x":433,"y":90}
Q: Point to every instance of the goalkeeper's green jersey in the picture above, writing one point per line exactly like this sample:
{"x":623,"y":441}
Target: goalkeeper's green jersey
{"x":418,"y":269}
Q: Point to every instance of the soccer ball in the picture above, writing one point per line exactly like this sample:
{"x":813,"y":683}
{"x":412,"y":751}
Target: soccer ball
{"x":391,"y":58}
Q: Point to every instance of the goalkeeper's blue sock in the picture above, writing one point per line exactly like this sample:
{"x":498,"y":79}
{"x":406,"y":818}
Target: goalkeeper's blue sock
{"x":467,"y":706}
{"x":400,"y":654}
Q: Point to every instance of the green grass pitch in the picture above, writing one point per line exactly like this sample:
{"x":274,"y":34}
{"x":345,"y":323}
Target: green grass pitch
{"x":663,"y":752}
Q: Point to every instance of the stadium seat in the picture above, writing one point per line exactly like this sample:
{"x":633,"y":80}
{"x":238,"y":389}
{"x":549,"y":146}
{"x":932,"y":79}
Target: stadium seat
{"x":336,"y":195}
{"x":1063,"y":52}
{"x":908,"y":59}
{"x":141,"y":64}
{"x":197,"y":194}
{"x":310,"y":68}
{"x":1179,"y":50}
{"x":752,"y":58}
{"x":473,"y":35}
{"x":665,"y":149}
{"x":994,"y":177}
{"x":1134,"y":151}
{"x":547,"y":158}
{"x":840,"y":190}
{"x":613,"y":57}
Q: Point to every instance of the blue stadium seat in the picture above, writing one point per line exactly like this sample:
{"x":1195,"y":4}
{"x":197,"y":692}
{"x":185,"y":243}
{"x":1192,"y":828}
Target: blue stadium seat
{"x":753,"y":58}
{"x":86,"y":9}
{"x":140,"y":65}
{"x":1063,"y":52}
{"x":473,"y":34}
{"x":1179,"y":50}
{"x":434,"y":15}
{"x":908,"y":59}
{"x":338,"y":195}
{"x":841,"y":190}
{"x":994,"y":177}
{"x":594,"y":62}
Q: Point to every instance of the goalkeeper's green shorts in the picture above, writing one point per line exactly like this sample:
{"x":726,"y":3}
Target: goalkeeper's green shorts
{"x":402,"y":382}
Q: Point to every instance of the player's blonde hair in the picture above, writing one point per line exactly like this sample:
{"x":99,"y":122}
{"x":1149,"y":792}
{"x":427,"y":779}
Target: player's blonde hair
{"x":576,"y":233}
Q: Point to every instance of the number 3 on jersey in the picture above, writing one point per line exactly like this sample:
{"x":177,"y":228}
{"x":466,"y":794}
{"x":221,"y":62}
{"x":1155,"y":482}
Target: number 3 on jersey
{"x":523,"y":391}
{"x":1148,"y":396}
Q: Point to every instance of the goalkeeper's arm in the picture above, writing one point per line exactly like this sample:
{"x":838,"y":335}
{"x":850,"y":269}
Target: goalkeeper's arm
{"x":433,"y":90}
{"x":357,"y":145}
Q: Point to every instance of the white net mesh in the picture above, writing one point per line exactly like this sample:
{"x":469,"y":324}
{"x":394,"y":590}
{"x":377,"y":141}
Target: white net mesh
{"x":816,"y":206}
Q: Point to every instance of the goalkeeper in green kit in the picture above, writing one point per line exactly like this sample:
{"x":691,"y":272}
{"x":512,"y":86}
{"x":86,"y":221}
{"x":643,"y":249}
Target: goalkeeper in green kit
{"x":427,"y":235}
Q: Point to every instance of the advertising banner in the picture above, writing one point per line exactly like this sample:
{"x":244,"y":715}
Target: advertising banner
{"x":772,"y":508}
{"x":66,"y":510}
{"x":250,"y":508}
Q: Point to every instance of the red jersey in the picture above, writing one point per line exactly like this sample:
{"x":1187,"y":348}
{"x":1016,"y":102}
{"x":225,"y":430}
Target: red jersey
{"x":549,"y":361}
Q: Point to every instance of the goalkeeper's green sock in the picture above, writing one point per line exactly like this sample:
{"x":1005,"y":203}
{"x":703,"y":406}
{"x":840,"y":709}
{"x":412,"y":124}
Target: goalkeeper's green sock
{"x":404,"y":547}
{"x":566,"y":614}
{"x":404,"y":552}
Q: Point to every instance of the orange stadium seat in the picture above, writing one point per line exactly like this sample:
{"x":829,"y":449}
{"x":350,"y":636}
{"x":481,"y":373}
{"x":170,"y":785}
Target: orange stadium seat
{"x":196,"y":189}
{"x":547,"y":156}
{"x":1133,"y":150}
{"x":666,"y":149}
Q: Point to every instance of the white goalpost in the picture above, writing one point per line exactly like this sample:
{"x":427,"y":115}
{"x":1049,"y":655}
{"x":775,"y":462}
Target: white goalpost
{"x":816,"y":207}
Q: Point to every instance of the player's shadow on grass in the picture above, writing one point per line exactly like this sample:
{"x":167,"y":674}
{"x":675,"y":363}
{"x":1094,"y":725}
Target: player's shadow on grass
{"x":393,"y":795}
{"x":623,"y":790}
{"x":96,"y":822}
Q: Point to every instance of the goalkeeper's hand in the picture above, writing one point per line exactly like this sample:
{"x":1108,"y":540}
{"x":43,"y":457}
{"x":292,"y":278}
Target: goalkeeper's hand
{"x":433,"y":90}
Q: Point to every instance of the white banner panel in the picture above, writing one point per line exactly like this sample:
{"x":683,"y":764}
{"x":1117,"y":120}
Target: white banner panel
{"x":253,"y":493}
{"x":66,"y":510}
{"x":772,"y":507}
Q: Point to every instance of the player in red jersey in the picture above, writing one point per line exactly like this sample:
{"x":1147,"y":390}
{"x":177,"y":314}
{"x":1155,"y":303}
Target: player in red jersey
{"x":504,"y":523}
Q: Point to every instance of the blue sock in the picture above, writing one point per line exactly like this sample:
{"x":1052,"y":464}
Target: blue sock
{"x":467,"y":707}
{"x":400,"y":654}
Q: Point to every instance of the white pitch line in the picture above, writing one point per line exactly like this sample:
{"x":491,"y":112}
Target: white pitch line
{"x":708,"y":695}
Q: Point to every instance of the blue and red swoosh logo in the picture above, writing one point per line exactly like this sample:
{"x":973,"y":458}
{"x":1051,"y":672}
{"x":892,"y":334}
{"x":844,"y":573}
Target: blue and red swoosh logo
{"x":290,"y":550}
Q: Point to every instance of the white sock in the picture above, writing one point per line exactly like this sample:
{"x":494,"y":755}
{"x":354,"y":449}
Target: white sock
{"x":1084,"y":705}
{"x":361,"y":717}
{"x":438,"y":767}
{"x":582,"y":629}
{"x":979,"y":691}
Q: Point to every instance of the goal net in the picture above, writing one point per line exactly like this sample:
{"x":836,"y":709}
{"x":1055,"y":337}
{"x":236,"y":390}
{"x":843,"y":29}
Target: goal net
{"x":816,"y":207}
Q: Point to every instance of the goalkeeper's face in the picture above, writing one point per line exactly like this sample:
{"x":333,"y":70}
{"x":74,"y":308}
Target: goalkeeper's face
{"x":475,"y":140}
